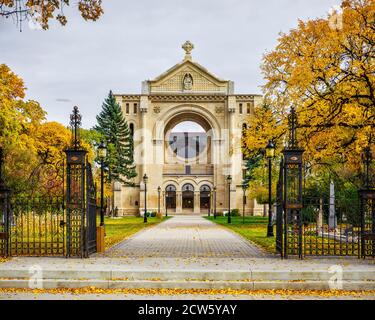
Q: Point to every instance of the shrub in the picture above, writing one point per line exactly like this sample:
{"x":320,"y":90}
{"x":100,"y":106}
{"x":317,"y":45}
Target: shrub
{"x":235,"y":213}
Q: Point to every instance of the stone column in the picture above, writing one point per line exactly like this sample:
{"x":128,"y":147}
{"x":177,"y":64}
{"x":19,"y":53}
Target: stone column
{"x":178,"y":202}
{"x":197,"y":202}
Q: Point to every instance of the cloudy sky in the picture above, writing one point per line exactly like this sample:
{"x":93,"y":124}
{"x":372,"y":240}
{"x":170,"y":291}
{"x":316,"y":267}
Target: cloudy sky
{"x":137,"y":40}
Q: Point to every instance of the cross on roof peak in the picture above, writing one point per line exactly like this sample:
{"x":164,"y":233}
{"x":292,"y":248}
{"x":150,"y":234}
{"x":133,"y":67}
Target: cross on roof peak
{"x":188,"y":47}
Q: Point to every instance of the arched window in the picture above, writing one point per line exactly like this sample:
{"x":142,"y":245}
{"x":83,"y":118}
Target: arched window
{"x":205,"y":188}
{"x":188,"y":187}
{"x":132,"y":129}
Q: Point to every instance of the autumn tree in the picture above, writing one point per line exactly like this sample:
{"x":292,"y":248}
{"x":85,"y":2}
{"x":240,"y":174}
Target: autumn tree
{"x":43,"y":11}
{"x":326,"y":69}
{"x":33,"y":147}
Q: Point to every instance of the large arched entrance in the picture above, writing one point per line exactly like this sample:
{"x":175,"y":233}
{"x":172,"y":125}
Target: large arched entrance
{"x":188,"y":198}
{"x":188,"y":157}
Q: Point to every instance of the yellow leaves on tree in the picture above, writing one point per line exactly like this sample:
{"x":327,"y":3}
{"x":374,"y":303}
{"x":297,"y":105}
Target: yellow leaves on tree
{"x":326,"y":69}
{"x":44,"y":11}
{"x":29,"y":141}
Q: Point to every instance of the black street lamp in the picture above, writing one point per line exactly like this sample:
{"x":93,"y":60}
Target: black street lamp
{"x":159,"y":190}
{"x":270,"y":154}
{"x":244,"y":187}
{"x":215,"y":189}
{"x":229,"y":180}
{"x":102,"y":154}
{"x":166,"y":202}
{"x":145,"y":180}
{"x":209,"y":203}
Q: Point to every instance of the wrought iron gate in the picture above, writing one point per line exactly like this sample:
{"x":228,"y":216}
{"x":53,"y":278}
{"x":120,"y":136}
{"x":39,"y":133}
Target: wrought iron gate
{"x":321,"y":226}
{"x":92,"y":210}
{"x":62,"y":223}
{"x":367,"y":199}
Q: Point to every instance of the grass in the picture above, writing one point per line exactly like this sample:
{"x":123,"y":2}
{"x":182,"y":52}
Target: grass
{"x":119,"y":229}
{"x":254,"y":230}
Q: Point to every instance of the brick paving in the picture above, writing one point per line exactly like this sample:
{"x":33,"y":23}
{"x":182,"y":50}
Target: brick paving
{"x":186,"y":237}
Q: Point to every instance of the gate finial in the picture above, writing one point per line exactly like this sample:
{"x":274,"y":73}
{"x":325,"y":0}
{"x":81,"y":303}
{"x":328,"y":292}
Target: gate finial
{"x":75,"y":123}
{"x":292,"y":122}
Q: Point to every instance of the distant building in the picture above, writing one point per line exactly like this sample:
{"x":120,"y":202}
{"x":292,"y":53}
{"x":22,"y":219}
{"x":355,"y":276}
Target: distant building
{"x":186,"y":165}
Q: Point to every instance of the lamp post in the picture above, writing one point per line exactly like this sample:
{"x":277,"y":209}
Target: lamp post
{"x":102,"y":154}
{"x":145,"y":179}
{"x":270,"y":154}
{"x":159,"y":190}
{"x":209,"y":203}
{"x":215,"y":189}
{"x":166,"y":202}
{"x":243,"y":202}
{"x":229,"y":181}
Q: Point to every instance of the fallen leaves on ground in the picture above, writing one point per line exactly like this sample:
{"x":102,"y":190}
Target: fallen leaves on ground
{"x":172,"y":292}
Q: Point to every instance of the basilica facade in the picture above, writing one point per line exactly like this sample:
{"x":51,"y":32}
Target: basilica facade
{"x":187,"y":126}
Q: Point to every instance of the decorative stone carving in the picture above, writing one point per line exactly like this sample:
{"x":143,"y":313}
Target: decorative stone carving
{"x":219,"y":109}
{"x":188,"y":82}
{"x":156,"y":109}
{"x":187,"y":98}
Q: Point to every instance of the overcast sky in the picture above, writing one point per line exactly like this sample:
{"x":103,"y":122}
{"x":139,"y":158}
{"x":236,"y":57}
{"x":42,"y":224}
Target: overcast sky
{"x":137,"y":40}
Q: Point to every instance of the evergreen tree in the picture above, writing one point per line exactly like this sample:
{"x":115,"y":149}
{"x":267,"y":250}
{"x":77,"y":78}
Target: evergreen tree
{"x":252,"y":163}
{"x":112,"y":126}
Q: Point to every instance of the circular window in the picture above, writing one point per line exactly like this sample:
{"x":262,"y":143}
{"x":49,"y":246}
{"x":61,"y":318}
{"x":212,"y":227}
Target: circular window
{"x":187,"y":140}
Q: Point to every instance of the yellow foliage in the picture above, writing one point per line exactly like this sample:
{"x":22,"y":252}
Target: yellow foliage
{"x":328,"y":74}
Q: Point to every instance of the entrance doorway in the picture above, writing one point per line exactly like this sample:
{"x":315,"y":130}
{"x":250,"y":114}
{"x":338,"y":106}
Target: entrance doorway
{"x":188,"y":197}
{"x":205,"y":199}
{"x":170,"y":198}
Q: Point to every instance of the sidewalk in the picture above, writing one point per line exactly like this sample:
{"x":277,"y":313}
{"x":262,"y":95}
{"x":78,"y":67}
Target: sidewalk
{"x":186,"y":237}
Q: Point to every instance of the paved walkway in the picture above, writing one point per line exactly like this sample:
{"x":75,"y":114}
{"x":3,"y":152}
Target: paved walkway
{"x":186,"y":237}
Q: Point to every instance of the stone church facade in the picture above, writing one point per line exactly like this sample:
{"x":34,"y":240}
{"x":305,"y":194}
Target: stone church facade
{"x":185,"y":168}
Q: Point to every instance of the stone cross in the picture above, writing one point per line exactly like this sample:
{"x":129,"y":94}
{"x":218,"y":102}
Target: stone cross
{"x":188,"y":47}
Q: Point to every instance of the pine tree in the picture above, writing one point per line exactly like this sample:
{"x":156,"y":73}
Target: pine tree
{"x":114,"y":129}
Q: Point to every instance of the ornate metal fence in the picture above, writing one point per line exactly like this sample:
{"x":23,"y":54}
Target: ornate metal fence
{"x":326,"y":229}
{"x":58,"y":219}
{"x":92,"y":210}
{"x":322,"y":226}
{"x":367,"y":206}
{"x":36,"y":226}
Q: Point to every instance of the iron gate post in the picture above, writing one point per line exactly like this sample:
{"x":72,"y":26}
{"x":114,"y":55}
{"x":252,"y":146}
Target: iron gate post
{"x":4,"y":210}
{"x":293,"y":163}
{"x":279,"y":213}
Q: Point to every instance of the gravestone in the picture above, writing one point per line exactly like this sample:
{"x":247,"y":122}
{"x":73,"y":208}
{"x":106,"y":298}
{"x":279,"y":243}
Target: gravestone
{"x":332,"y":221}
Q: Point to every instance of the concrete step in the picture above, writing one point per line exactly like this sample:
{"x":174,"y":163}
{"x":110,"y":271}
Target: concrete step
{"x":174,"y":284}
{"x":187,"y":279}
{"x":195,"y":275}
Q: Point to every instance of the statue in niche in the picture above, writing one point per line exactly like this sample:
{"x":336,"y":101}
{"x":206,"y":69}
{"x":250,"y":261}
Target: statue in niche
{"x":188,"y":82}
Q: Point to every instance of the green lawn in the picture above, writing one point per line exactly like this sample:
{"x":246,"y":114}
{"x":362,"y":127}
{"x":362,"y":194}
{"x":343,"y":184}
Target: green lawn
{"x":119,"y":229}
{"x":254,"y":229}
